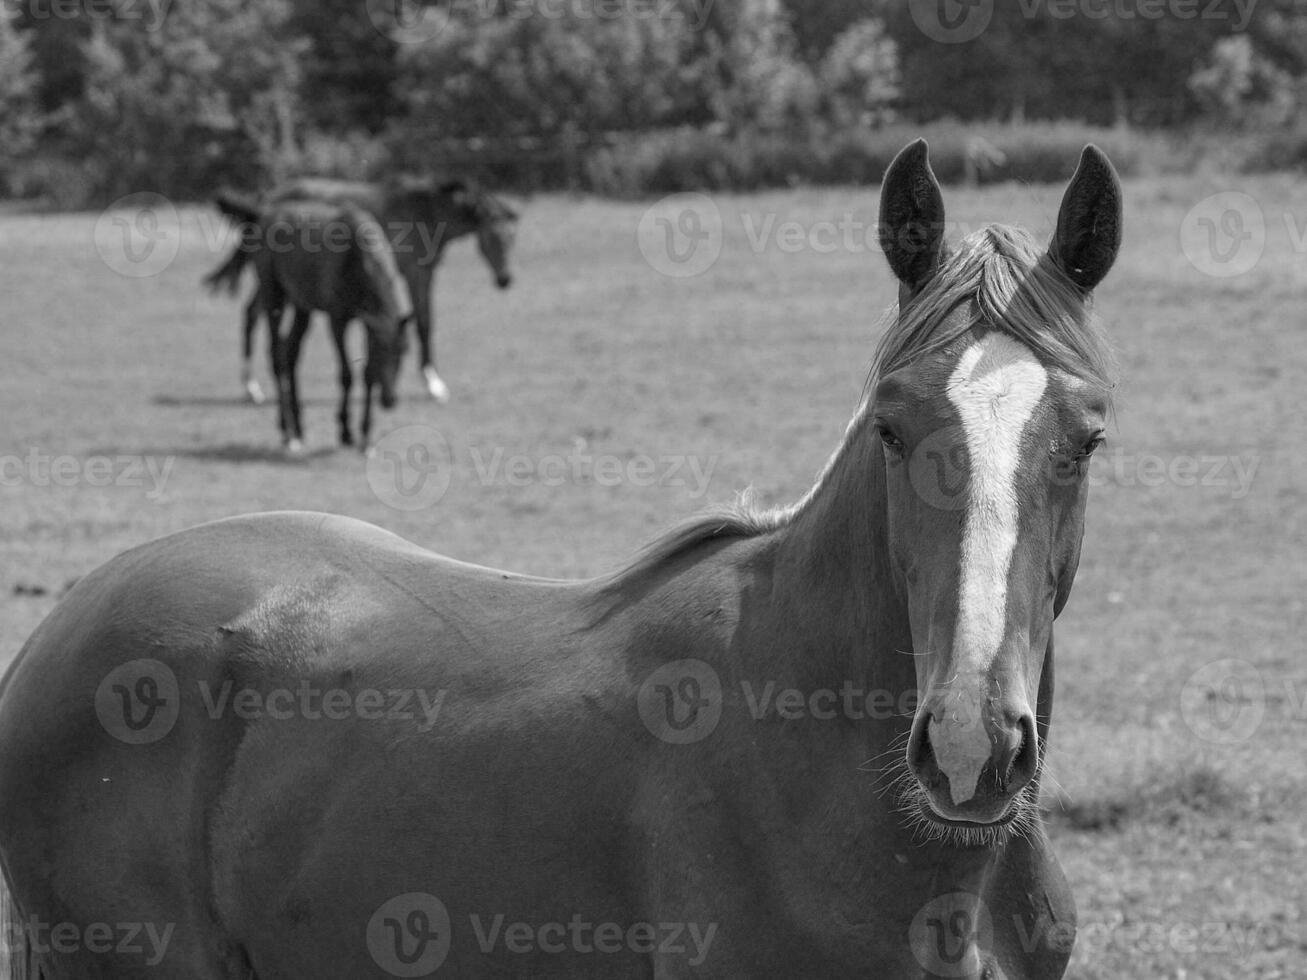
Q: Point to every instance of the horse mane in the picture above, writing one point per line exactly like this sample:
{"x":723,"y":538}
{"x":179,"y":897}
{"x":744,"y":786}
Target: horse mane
{"x":389,"y":288}
{"x":1009,"y":284}
{"x":736,"y":520}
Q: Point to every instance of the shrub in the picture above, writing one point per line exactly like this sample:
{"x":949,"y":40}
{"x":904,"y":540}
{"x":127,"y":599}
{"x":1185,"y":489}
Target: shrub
{"x":684,"y":160}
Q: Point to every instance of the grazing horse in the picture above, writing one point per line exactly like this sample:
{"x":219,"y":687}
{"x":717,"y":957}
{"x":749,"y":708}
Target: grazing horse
{"x":421,"y":220}
{"x":333,"y":258}
{"x":796,"y":743}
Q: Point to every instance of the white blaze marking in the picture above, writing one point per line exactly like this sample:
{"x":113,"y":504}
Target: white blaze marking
{"x":995,"y":389}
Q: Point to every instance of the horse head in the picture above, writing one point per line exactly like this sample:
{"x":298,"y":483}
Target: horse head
{"x":989,"y":396}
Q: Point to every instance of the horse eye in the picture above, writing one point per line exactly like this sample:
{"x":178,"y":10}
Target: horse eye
{"x":1088,"y":449}
{"x":890,"y":440}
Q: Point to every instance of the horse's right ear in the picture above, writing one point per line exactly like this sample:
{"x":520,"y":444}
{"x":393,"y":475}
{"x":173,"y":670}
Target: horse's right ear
{"x":912,"y":218}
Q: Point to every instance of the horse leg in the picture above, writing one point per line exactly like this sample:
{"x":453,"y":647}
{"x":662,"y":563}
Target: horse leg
{"x":367,"y":413}
{"x":419,"y":287}
{"x":253,"y":392}
{"x":346,"y":379}
{"x":299,"y":327}
{"x":279,"y":348}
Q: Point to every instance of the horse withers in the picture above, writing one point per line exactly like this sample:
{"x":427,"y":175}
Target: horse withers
{"x":421,"y":219}
{"x":335,"y":259}
{"x":801,"y":743}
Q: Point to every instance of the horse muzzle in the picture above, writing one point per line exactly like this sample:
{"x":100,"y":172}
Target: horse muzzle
{"x":503,"y":280}
{"x":972,"y":759}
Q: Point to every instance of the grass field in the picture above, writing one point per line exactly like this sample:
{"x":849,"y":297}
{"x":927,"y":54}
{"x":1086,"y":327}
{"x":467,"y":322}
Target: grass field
{"x":1180,"y":820}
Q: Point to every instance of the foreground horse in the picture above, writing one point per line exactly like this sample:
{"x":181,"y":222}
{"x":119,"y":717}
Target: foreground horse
{"x":294,"y":745}
{"x":336,"y":259}
{"x":421,"y":220}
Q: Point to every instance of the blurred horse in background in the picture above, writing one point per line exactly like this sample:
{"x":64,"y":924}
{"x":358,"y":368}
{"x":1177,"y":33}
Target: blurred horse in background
{"x":335,"y":258}
{"x":420,"y":218}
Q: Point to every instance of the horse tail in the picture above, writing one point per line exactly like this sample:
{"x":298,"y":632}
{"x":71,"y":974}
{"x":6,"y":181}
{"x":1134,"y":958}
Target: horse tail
{"x":245,"y":211}
{"x":19,"y":956}
{"x":228,"y":275}
{"x":238,"y":207}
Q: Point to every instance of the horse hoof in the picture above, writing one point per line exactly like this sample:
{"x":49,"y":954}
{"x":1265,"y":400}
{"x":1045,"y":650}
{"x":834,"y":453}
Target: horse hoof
{"x":436,"y":386}
{"x":253,"y":393}
{"x":294,"y":447}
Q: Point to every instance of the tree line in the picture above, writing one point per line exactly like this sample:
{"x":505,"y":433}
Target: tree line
{"x":105,"y":96}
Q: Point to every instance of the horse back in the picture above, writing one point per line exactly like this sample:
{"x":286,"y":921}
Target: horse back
{"x":370,"y":197}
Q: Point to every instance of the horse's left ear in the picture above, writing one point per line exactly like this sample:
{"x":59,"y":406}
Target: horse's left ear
{"x":1088,"y":234}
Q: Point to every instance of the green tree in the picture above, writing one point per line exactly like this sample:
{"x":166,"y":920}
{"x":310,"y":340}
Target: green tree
{"x":56,"y":46}
{"x":207,"y":96}
{"x":859,"y":75}
{"x":1103,"y":63}
{"x":1239,"y":86}
{"x":758,"y":80}
{"x":20,"y":119}
{"x":482,"y":75}
{"x":816,"y":26}
{"x":350,"y":66}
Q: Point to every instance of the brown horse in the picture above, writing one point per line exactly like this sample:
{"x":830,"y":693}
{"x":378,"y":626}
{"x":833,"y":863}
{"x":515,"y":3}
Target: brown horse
{"x":333,"y":258}
{"x":421,"y":219}
{"x":802,"y":743}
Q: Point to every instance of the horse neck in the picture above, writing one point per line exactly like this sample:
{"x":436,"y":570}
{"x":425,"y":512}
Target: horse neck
{"x":837,"y":617}
{"x":837,"y":596}
{"x":443,"y":217}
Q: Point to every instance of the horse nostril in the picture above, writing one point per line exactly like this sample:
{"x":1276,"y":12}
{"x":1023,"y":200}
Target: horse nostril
{"x":921,"y":754}
{"x":1016,"y":764}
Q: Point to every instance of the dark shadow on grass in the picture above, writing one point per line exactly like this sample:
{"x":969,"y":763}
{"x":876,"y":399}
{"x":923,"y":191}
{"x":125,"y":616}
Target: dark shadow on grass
{"x":228,"y":401}
{"x":230,"y":452}
{"x":1196,"y":793}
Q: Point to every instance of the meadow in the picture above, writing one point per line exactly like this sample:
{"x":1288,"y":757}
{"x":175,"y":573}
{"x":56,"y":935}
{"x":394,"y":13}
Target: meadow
{"x":599,"y":400}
